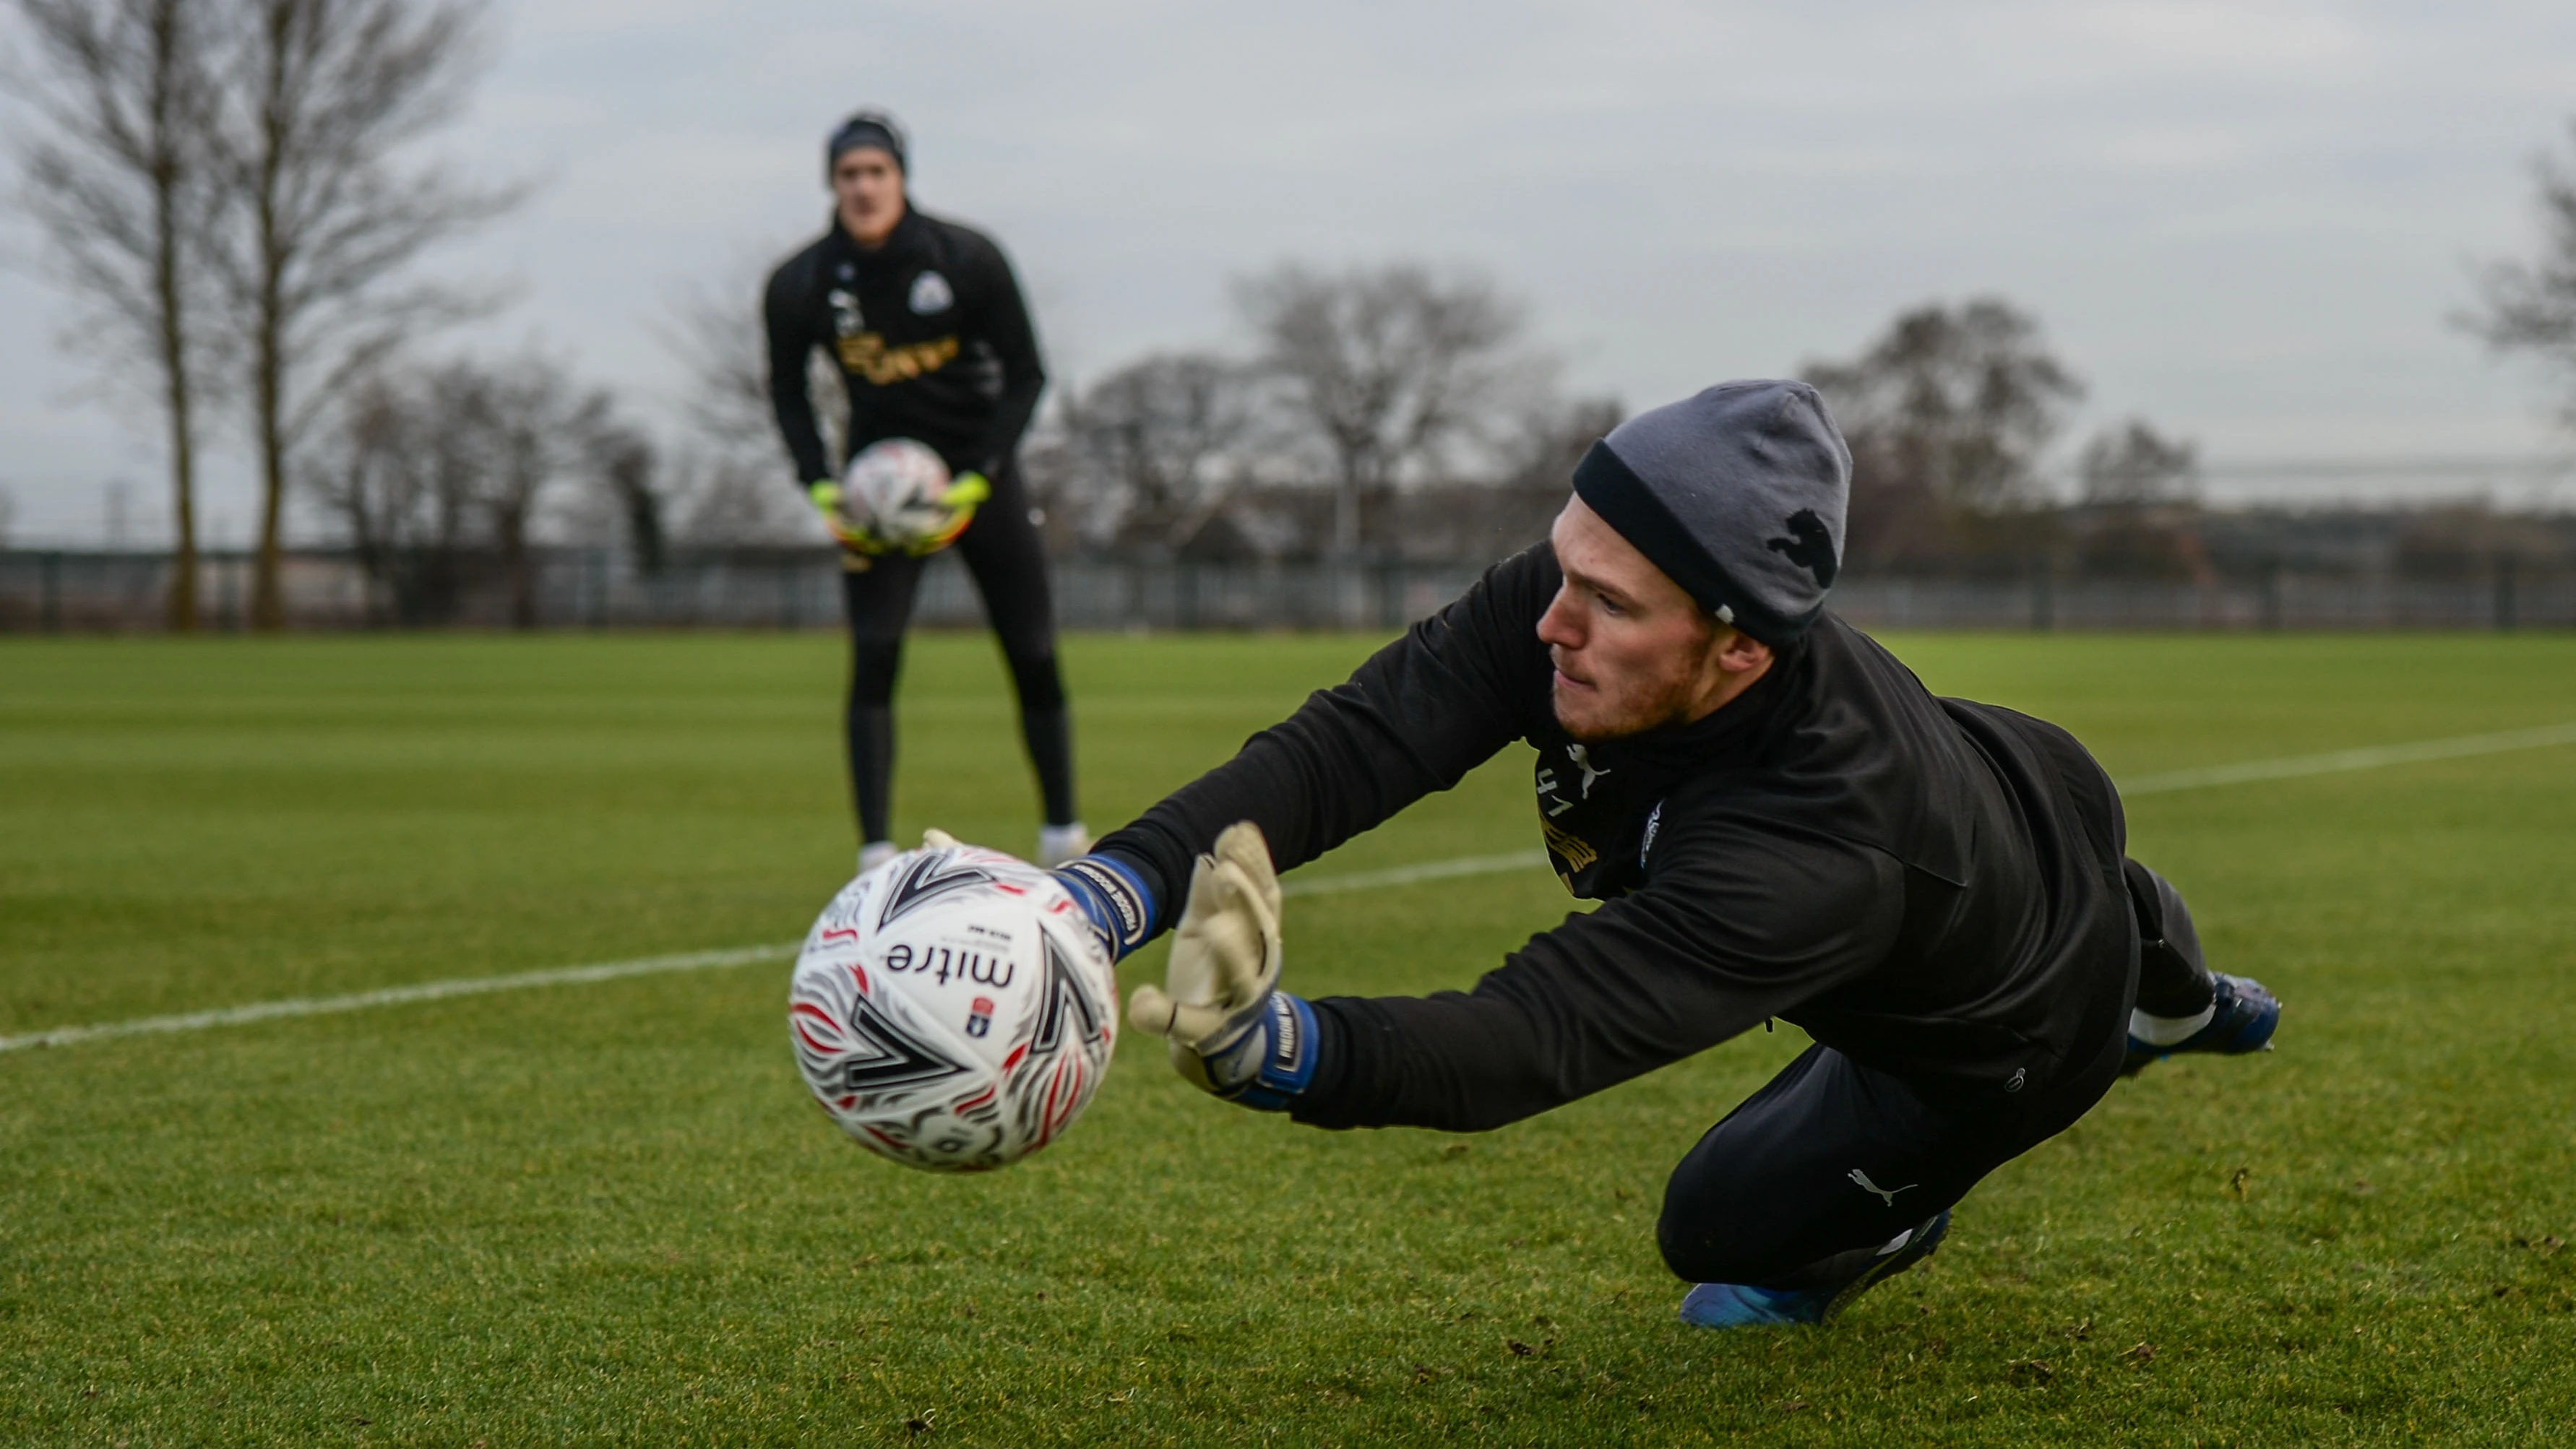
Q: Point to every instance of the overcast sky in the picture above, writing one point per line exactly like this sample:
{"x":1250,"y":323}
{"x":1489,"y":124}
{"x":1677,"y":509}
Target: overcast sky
{"x":2245,"y":221}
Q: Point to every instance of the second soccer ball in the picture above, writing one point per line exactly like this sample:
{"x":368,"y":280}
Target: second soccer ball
{"x":895,"y":493}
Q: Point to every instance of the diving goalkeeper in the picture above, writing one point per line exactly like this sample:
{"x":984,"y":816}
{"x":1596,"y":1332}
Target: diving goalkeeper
{"x":1779,"y":821}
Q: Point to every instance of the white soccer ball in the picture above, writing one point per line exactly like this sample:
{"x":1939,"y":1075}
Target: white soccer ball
{"x":891,"y":492}
{"x":953,"y":1010}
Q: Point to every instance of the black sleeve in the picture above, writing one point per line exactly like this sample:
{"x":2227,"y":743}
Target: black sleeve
{"x":1737,"y":925}
{"x":788,"y":312}
{"x":1414,"y":719}
{"x":1003,"y":324}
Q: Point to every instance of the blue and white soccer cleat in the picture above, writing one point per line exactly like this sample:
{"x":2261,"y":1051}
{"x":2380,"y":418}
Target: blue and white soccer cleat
{"x":2242,"y":1017}
{"x":1740,"y":1305}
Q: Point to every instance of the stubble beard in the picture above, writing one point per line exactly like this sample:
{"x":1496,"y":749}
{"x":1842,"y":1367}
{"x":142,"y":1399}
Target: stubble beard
{"x":1668,"y":703}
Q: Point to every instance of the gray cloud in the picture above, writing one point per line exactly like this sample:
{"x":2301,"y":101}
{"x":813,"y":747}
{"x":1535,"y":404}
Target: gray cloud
{"x":2245,"y":220}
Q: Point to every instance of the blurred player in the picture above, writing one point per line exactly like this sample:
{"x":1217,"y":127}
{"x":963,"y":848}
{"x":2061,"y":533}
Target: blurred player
{"x":926,"y":324}
{"x":1779,"y":821}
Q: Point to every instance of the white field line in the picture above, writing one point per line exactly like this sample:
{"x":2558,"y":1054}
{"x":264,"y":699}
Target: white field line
{"x":2291,"y":767}
{"x":2337,"y":761}
{"x":399,"y":995}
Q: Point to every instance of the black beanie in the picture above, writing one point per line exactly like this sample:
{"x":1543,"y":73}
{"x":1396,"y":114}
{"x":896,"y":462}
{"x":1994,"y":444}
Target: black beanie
{"x":864,"y":131}
{"x":1737,"y":494}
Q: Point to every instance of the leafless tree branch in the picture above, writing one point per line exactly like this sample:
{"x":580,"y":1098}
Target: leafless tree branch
{"x":1392,"y":366}
{"x":326,"y":219}
{"x":118,"y":182}
{"x":2529,"y":306}
{"x":1155,"y":448}
{"x":1947,"y":414}
{"x":729,"y":484}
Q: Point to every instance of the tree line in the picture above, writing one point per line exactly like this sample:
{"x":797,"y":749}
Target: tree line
{"x":1361,"y":386}
{"x":227,"y":187}
{"x":231,"y":189}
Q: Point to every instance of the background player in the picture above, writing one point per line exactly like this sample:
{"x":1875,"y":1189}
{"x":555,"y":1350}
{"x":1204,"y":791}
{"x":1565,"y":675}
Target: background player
{"x":932,"y":340}
{"x":1779,"y":820}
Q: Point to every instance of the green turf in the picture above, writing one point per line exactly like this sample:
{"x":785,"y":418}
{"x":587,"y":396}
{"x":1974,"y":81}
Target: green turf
{"x":607,"y":1213}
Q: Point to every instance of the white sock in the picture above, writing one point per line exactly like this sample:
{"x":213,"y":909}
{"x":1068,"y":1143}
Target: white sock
{"x":1061,"y":844}
{"x":2169,"y":1030}
{"x":875,"y":853}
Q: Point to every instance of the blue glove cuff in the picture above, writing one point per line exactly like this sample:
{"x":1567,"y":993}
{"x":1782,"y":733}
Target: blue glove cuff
{"x":1287,"y":1036}
{"x":1113,"y":897}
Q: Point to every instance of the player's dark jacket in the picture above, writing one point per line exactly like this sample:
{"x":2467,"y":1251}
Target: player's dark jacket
{"x":931,"y":336}
{"x":1930,"y":886}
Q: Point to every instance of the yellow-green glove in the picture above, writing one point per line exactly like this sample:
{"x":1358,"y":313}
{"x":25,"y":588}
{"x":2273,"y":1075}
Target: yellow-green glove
{"x":827,"y":502}
{"x":965,"y":492}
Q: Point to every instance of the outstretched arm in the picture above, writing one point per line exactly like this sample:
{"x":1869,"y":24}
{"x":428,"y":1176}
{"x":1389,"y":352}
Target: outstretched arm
{"x":1729,"y":933}
{"x":1414,"y":719}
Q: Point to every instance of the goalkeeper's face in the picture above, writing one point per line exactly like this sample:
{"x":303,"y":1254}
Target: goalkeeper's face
{"x":1632,"y":651}
{"x":867,"y":190}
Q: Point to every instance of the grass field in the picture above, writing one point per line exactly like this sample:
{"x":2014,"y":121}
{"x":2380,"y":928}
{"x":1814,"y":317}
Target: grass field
{"x":608,"y":1214}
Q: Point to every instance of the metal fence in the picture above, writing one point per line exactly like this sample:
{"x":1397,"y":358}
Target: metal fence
{"x":56,"y":591}
{"x":2504,"y":600}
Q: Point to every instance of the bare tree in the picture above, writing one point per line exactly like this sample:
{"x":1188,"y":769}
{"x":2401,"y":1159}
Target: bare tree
{"x":117,"y":182}
{"x":443,"y":475}
{"x":2133,"y":465}
{"x":2138,"y":488}
{"x":540,"y":430}
{"x":396,"y":470}
{"x":2530,"y":306}
{"x":731,"y":483}
{"x":326,"y":220}
{"x":1153,"y":448}
{"x":1391,"y":366}
{"x":1552,"y":437}
{"x":715,"y":334}
{"x":1947,"y":415}
{"x":625,"y":466}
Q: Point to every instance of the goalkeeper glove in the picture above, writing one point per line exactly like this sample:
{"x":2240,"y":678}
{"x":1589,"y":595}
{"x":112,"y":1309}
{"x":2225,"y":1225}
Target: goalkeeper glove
{"x":965,"y":492}
{"x":1231,"y":1031}
{"x":827,"y":502}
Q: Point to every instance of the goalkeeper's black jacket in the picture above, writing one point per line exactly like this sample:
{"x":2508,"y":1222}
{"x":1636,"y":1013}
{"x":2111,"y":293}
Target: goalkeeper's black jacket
{"x":1930,"y":886}
{"x":929,"y":332}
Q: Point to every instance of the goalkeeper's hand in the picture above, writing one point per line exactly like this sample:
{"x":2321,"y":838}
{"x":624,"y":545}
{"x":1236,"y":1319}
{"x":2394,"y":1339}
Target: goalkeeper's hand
{"x":964,"y":494}
{"x":827,"y":502}
{"x":1231,"y":1030}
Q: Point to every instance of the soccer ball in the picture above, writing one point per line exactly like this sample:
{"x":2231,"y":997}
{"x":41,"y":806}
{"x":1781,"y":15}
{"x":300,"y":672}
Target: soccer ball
{"x":893,"y":493}
{"x":953,"y":1010}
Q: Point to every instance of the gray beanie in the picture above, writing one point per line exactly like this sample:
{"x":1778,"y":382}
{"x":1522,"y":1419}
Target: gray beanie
{"x":867,"y":130}
{"x":1737,"y":494}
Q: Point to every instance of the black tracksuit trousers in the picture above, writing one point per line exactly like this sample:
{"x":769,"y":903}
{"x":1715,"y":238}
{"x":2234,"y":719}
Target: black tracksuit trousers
{"x":1832,"y":1157}
{"x":1001,"y":549}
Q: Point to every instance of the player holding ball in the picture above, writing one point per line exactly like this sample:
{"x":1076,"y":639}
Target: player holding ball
{"x":1778,"y":819}
{"x":926,"y":325}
